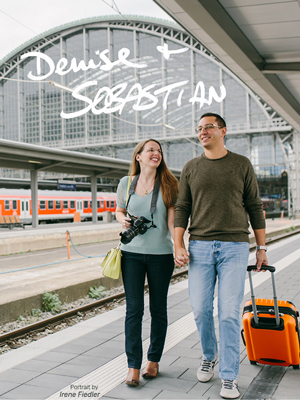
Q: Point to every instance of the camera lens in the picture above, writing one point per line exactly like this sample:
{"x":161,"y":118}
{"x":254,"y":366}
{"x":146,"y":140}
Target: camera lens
{"x":138,"y":226}
{"x":129,"y":234}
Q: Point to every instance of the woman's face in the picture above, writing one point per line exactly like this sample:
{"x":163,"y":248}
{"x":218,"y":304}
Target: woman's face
{"x":151,"y":155}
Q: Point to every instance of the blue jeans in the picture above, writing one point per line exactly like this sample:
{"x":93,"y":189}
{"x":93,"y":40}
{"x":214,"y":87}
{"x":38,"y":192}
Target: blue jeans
{"x":227,"y":261}
{"x":159,"y":269}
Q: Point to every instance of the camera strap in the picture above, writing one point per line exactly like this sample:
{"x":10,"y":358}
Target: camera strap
{"x":153,"y":199}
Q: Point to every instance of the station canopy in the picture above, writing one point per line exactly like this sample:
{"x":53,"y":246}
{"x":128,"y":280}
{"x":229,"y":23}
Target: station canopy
{"x":259,"y":41}
{"x":30,"y":157}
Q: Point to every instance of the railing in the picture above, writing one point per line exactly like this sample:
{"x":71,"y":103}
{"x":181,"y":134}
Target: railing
{"x":274,"y":125}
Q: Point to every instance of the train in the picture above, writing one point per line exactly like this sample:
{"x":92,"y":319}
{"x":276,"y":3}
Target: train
{"x":60,"y":206}
{"x":55,"y":205}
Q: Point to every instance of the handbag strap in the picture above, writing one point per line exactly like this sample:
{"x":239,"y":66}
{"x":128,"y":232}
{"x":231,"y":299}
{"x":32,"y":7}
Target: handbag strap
{"x":128,"y":186}
{"x":130,"y":189}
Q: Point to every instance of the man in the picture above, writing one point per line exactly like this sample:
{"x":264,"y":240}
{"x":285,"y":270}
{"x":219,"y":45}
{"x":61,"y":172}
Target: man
{"x":218,"y":191}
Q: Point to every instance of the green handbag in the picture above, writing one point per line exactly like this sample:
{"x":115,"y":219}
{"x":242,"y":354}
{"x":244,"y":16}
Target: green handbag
{"x":112,"y":263}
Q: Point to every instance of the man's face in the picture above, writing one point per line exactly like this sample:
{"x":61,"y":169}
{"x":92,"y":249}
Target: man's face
{"x":211,"y":135}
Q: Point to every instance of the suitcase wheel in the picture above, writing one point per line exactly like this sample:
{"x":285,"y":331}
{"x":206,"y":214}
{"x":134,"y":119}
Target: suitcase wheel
{"x":254,"y":363}
{"x":296,"y":366}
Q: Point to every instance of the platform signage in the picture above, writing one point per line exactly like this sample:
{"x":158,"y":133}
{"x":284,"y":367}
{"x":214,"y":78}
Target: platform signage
{"x":66,"y":186}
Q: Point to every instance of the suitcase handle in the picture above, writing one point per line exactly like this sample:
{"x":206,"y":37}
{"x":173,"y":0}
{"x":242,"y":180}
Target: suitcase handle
{"x":272,"y":271}
{"x":263,"y":268}
{"x":243,"y":336}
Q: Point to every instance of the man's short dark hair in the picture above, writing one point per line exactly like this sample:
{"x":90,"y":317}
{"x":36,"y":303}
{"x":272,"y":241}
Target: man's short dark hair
{"x":218,"y":117}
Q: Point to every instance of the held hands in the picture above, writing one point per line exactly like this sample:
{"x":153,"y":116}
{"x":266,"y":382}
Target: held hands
{"x":181,"y":257}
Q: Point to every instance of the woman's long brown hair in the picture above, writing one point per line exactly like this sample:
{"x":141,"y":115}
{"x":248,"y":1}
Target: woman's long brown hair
{"x":169,"y":185}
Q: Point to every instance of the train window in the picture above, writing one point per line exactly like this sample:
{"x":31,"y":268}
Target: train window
{"x":98,"y":204}
{"x":14,"y":205}
{"x":50,"y":204}
{"x":7,"y":207}
{"x":102,"y":204}
{"x":65,"y":204}
{"x":112,"y":204}
{"x":107,"y":204}
{"x":91,"y":204}
{"x":58,"y":204}
{"x":72,"y":204}
{"x":85,"y":204}
{"x":42,"y":205}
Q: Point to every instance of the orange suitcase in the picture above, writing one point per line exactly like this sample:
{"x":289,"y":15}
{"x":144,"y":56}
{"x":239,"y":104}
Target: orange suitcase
{"x":271,"y":329}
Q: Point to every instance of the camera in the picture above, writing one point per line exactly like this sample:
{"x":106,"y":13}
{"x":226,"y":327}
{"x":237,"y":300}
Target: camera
{"x":138,"y":225}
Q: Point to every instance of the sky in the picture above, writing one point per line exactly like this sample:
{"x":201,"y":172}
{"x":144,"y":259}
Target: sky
{"x":22,"y":20}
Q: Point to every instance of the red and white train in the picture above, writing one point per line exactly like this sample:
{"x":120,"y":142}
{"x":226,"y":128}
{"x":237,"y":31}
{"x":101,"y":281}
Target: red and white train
{"x":54,"y":205}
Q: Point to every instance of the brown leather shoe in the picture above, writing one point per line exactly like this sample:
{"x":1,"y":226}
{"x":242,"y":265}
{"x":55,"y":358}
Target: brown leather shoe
{"x":151,"y":370}
{"x":133,"y":377}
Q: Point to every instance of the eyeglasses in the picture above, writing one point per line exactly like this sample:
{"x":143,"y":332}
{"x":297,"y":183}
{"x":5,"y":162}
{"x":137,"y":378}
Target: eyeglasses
{"x":153,"y":151}
{"x":207,"y":127}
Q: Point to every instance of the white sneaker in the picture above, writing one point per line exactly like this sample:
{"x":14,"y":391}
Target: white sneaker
{"x":206,"y":370}
{"x":229,"y":389}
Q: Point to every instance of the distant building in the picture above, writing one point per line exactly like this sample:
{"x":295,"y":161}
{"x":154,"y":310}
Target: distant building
{"x":30,"y":109}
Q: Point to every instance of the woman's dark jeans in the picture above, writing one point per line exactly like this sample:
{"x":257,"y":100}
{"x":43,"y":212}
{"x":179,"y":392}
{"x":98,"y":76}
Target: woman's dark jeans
{"x":159,"y":269}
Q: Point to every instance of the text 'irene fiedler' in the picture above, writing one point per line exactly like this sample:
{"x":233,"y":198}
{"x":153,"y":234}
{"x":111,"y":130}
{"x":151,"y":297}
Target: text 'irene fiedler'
{"x":81,"y":391}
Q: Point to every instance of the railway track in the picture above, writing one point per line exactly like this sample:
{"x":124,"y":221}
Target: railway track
{"x":17,"y":337}
{"x":21,"y":336}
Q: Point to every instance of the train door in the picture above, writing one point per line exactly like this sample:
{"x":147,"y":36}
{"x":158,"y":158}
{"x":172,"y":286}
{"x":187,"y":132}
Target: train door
{"x":79,"y":207}
{"x":25,"y":211}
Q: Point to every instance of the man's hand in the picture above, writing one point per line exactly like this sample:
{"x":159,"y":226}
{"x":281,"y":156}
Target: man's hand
{"x":260,"y":238}
{"x":261,"y":259}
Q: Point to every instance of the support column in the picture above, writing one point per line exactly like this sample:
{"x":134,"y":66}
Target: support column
{"x":292,"y":163}
{"x":294,"y":178}
{"x":94,"y":199}
{"x":34,"y":198}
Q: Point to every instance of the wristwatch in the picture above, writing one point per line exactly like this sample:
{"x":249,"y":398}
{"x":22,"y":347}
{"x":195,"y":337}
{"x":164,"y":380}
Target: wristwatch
{"x":261,"y":248}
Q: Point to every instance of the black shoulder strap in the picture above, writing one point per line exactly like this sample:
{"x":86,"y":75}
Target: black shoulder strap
{"x":153,"y":199}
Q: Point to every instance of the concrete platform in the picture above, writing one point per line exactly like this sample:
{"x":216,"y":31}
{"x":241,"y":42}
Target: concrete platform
{"x":88,"y":361}
{"x":53,"y":236}
{"x":21,"y":291}
{"x":46,"y":237}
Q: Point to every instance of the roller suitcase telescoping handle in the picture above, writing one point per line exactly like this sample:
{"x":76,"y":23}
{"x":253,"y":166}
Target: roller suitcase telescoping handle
{"x":272,"y":270}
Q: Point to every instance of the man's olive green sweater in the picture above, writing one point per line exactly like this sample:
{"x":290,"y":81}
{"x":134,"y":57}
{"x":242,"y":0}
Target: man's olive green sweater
{"x":218,"y":196}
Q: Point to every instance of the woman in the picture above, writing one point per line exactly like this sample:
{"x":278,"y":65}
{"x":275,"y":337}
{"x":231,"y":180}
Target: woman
{"x":149,"y":254}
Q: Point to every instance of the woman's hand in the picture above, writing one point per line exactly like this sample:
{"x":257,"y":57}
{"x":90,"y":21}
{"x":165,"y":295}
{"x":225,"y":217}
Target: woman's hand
{"x":126,"y":223}
{"x":122,"y":218}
